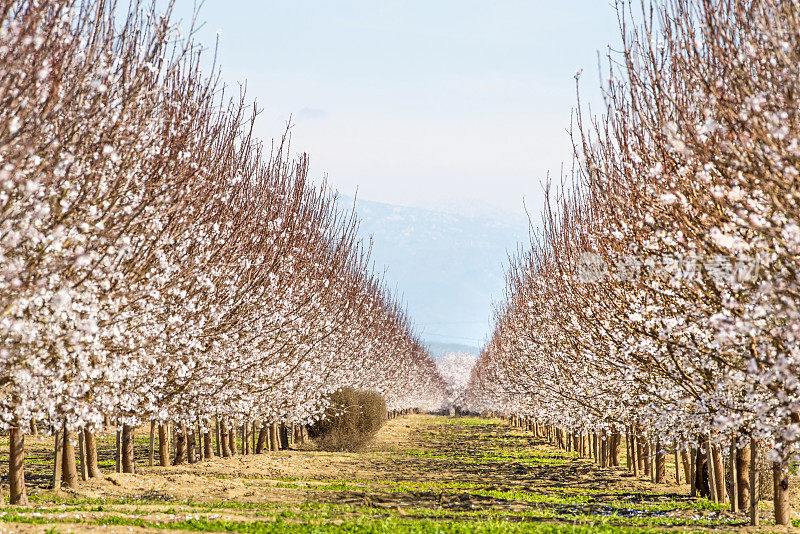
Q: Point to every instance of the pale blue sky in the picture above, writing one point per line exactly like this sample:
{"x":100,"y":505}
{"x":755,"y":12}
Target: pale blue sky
{"x":453,"y":104}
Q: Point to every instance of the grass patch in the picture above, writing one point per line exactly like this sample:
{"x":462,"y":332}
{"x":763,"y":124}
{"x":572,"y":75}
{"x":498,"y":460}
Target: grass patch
{"x":455,"y":475}
{"x":290,"y":523}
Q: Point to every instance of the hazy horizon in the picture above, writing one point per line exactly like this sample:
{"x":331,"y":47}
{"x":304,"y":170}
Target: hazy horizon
{"x":447,"y":268}
{"x":453,"y":107}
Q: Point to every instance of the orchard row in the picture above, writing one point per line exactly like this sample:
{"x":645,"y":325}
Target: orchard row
{"x":660,"y":298}
{"x":159,"y":264}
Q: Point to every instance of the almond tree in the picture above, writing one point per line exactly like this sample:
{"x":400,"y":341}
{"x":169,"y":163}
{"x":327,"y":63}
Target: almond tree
{"x":682,"y":189}
{"x":159,"y":264}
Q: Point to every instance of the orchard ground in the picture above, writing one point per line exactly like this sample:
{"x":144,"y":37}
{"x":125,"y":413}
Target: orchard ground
{"x":421,"y":473}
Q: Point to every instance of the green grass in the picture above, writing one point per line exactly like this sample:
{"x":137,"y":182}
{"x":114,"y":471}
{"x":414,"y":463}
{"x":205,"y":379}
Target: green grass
{"x":510,"y":483}
{"x":472,"y":421}
{"x":321,"y":523}
{"x":311,"y":517}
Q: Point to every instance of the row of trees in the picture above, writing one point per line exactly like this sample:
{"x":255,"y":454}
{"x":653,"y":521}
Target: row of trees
{"x":660,"y":297}
{"x":158,"y":262}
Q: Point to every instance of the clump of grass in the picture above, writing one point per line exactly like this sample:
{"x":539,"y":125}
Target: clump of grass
{"x":351,"y":420}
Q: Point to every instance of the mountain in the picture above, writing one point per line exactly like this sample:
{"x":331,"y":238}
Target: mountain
{"x":448,"y":268}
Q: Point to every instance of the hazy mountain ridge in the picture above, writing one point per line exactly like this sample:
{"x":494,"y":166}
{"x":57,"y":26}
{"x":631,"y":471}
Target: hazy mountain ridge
{"x":447,"y":267}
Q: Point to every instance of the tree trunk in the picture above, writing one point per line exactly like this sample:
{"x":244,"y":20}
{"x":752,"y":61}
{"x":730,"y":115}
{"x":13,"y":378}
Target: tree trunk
{"x":661,"y":464}
{"x":743,"y":478}
{"x":232,"y":445}
{"x":640,"y":455}
{"x":284,"y":435}
{"x":273,"y":436}
{"x":687,"y":469}
{"x":646,"y":457}
{"x":603,"y":449}
{"x":180,"y":446}
{"x":91,"y":453}
{"x":711,"y":467}
{"x":16,"y":466}
{"x":58,"y":462}
{"x":128,"y":461}
{"x":754,"y":497}
{"x":780,"y":492}
{"x":262,"y":438}
{"x":217,"y":436}
{"x":223,"y":439}
{"x":69,"y":471}
{"x":270,"y":443}
{"x":719,"y":473}
{"x":734,"y":477}
{"x":191,"y":444}
{"x":201,"y":450}
{"x":117,"y":447}
{"x":82,"y":470}
{"x":208,"y":449}
{"x":702,"y":487}
{"x":246,"y":438}
{"x":151,"y":451}
{"x":163,"y":445}
{"x":628,"y":463}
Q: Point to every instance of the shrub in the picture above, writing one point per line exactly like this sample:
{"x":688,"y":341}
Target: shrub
{"x":350,"y":421}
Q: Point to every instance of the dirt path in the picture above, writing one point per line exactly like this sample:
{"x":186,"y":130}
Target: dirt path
{"x":418,"y":468}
